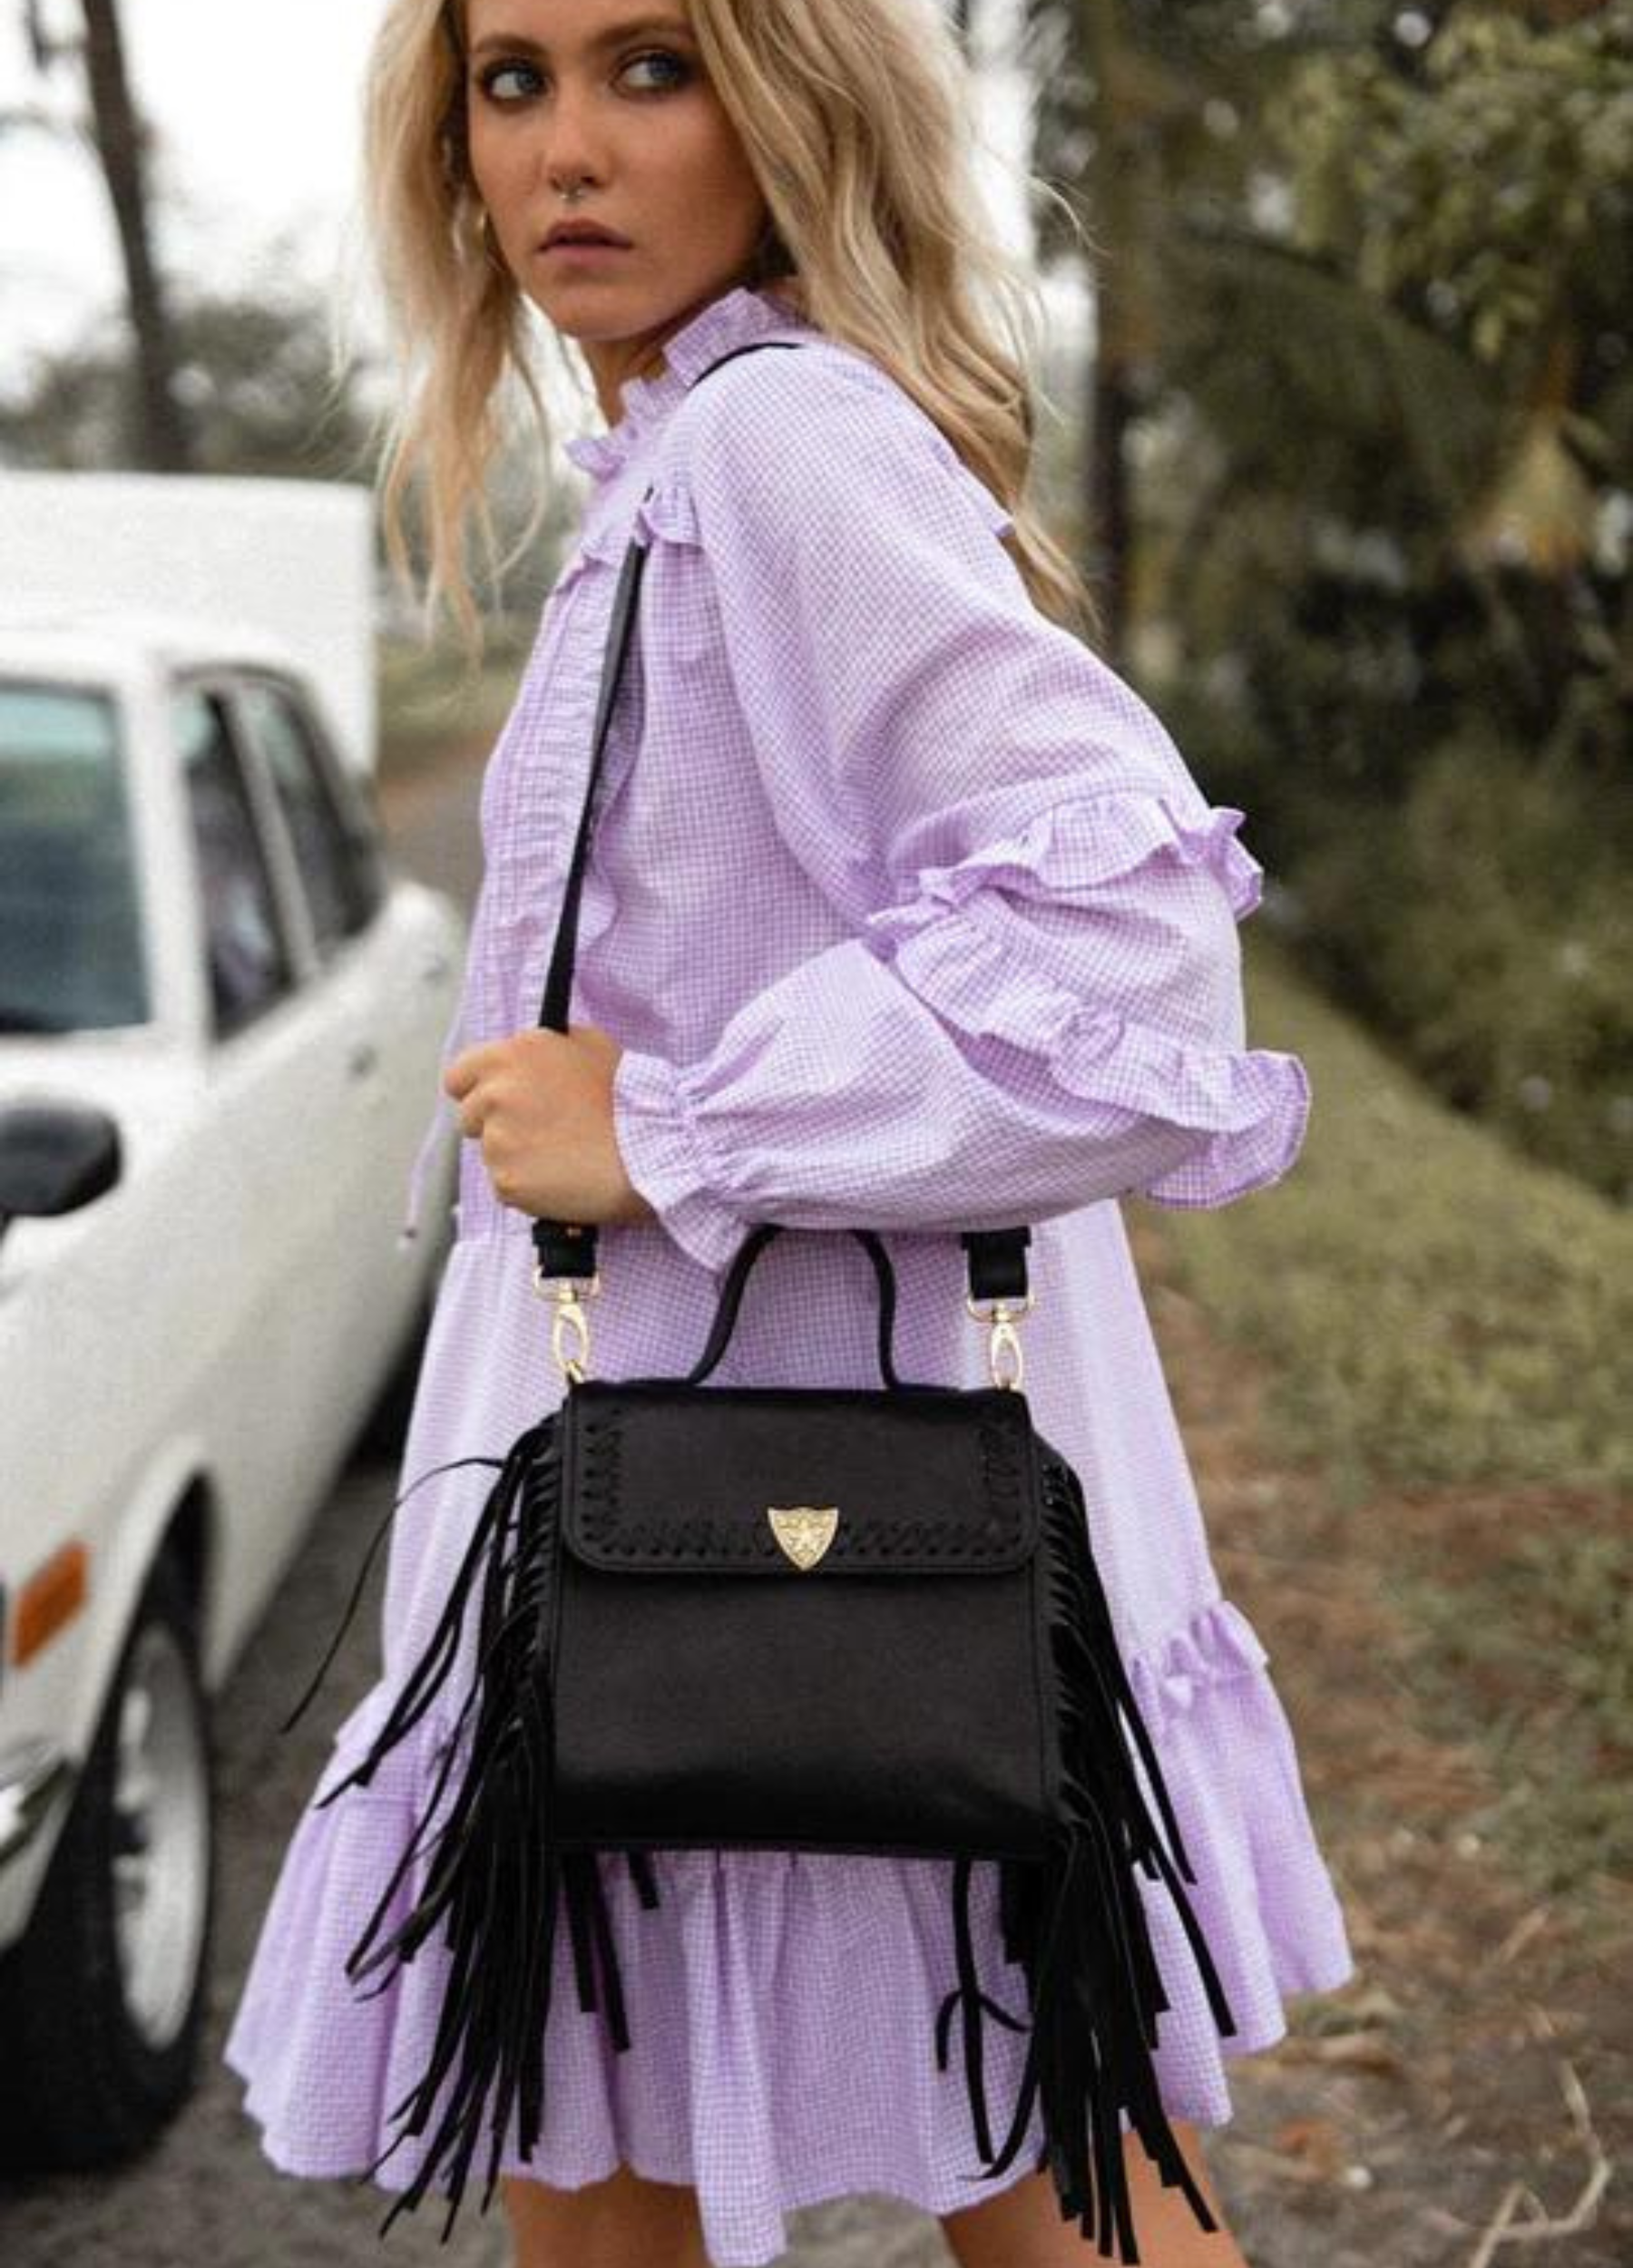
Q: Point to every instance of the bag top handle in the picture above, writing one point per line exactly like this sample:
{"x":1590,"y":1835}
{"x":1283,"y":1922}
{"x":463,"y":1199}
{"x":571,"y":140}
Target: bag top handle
{"x":996,"y":1257}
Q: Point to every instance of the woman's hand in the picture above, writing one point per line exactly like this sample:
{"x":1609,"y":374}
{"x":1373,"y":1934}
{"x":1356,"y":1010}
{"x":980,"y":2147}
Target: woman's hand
{"x":539,"y":1103}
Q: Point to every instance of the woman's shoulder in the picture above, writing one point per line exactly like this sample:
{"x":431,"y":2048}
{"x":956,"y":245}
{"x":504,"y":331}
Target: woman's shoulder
{"x":811,"y":427}
{"x":798,"y":374}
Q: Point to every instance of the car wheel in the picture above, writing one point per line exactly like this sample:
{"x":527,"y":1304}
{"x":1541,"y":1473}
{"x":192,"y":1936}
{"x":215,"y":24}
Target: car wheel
{"x":101,"y":2002}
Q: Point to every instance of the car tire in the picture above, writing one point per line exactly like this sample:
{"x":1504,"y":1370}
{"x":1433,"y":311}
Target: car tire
{"x":101,"y":2018}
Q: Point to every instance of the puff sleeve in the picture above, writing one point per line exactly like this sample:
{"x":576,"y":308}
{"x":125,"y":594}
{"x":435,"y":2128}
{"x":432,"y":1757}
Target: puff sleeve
{"x":1040,"y":1003}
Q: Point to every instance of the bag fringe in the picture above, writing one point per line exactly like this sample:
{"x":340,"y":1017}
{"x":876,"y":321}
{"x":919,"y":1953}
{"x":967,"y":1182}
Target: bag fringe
{"x":493,"y":1875}
{"x":1076,"y":1922}
{"x":496,"y":1876}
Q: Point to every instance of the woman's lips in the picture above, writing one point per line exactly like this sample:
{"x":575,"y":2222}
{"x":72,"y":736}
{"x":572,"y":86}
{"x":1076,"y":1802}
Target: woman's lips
{"x":581,"y":247}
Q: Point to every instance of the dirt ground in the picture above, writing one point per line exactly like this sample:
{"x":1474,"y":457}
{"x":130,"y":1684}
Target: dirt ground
{"x":1468,"y":2097}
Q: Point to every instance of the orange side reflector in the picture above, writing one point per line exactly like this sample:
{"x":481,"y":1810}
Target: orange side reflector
{"x":52,"y":1597}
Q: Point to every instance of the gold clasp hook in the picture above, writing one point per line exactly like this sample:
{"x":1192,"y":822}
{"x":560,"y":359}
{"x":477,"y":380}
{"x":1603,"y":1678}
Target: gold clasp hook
{"x":1003,"y":1339}
{"x":569,"y":1318}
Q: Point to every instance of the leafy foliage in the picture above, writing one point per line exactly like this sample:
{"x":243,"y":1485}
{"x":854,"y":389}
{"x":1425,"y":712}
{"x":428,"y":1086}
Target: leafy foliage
{"x":1384,"y":355}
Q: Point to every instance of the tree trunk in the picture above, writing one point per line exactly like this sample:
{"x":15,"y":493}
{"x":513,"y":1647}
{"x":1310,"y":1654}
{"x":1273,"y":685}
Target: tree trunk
{"x":1111,"y":381}
{"x":159,"y":438}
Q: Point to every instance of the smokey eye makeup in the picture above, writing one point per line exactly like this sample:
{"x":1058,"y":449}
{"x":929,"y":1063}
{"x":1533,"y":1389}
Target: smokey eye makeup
{"x":509,"y":80}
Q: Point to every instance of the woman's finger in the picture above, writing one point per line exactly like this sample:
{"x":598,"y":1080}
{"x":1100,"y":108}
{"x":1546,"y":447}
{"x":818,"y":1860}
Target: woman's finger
{"x":461,"y":1074}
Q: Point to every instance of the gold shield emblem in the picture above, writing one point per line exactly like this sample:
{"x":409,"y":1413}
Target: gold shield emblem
{"x":804,"y":1531}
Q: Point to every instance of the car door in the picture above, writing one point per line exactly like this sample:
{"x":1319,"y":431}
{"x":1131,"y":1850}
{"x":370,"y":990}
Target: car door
{"x":257,"y":1226}
{"x":383,"y":987}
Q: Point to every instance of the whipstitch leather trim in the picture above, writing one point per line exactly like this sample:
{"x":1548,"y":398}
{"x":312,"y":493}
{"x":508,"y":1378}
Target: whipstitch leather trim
{"x":601,"y":1527}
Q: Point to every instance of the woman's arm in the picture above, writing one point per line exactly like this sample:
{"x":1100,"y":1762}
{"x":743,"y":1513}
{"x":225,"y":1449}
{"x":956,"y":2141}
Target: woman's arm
{"x":1041,"y":1005}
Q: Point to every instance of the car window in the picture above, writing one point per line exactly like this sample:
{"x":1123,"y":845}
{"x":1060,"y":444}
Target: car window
{"x":248,"y":957}
{"x":337,"y":862}
{"x":70,"y":945}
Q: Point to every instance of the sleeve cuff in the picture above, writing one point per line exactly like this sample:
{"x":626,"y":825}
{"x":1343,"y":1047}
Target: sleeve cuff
{"x":663,"y":1158}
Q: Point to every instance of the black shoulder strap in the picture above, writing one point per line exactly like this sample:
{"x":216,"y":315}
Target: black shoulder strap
{"x":997,"y":1256}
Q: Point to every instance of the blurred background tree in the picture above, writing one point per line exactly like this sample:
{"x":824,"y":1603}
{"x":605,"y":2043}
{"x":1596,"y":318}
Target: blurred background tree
{"x":1357,"y":480}
{"x":157,"y":435}
{"x":250,"y":370}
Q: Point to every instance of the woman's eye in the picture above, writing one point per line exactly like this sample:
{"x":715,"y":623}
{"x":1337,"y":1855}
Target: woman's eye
{"x":510,"y":82}
{"x":667,"y":57}
{"x":494,"y":82}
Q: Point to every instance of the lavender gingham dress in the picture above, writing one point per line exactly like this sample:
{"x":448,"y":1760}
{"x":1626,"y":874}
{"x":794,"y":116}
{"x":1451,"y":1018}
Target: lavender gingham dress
{"x":908,"y":916}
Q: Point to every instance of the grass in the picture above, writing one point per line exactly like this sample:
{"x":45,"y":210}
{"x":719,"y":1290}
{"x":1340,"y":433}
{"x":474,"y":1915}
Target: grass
{"x":1529,"y":1646}
{"x":1434,"y":1308}
{"x":1440,"y":1316}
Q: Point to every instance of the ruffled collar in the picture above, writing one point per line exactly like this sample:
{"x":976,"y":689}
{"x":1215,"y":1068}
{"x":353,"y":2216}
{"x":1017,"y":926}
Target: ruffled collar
{"x":736,"y":317}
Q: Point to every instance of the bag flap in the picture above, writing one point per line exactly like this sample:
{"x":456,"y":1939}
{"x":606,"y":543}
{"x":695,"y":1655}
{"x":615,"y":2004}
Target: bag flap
{"x":663,"y":1477}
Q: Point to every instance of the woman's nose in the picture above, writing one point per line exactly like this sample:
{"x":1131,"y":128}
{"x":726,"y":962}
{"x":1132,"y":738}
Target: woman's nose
{"x":569,"y":146}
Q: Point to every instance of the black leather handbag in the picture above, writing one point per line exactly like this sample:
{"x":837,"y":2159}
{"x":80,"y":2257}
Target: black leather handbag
{"x":861,"y":1620}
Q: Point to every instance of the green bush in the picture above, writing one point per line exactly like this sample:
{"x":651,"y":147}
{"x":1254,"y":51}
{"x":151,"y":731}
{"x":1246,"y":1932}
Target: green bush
{"x":1487,"y":925}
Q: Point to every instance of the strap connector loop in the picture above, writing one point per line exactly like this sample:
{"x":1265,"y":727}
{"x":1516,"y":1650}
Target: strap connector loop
{"x":1002,"y":1341}
{"x":569,"y":1319}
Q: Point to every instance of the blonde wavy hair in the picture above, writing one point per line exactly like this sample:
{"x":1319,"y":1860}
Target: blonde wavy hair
{"x":858,"y":122}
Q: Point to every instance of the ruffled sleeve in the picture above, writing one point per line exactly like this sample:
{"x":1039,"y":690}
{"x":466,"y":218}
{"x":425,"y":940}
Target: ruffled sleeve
{"x":1040,"y":1002}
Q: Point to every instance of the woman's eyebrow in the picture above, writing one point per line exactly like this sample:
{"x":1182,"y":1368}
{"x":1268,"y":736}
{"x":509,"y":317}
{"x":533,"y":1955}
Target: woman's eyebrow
{"x":517,"y":42}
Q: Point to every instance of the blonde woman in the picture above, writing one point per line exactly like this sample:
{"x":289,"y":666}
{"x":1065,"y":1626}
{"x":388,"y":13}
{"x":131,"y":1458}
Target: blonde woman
{"x":902,"y":911}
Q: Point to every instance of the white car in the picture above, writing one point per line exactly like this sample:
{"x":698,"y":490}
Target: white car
{"x":221,"y":1017}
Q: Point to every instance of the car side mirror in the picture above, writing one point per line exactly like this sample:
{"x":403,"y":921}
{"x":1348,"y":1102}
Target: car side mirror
{"x":55,"y":1157}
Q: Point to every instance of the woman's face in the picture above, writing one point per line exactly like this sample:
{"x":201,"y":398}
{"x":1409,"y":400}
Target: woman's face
{"x":608,"y":97}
